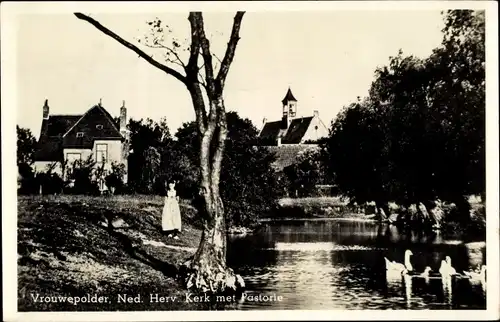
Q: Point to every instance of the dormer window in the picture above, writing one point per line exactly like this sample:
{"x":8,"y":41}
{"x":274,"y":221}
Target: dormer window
{"x":98,"y":126}
{"x":79,"y":134}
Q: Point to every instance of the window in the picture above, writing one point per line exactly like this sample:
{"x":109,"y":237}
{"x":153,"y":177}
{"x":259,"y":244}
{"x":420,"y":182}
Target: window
{"x":72,"y":157}
{"x":79,"y":134}
{"x":101,"y":152}
{"x":98,"y":126}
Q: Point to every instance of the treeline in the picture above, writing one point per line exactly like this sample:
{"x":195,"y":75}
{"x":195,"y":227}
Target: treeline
{"x":249,"y":184}
{"x":419,"y":136}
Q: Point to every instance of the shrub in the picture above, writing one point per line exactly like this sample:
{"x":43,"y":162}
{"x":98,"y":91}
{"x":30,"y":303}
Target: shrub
{"x":81,"y":176}
{"x":27,"y":183}
{"x":114,"y":180}
{"x":50,"y":183}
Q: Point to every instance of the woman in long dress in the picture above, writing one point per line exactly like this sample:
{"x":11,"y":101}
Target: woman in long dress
{"x":171,"y":217}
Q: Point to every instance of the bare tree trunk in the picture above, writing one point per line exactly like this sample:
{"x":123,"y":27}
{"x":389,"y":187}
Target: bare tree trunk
{"x":207,"y":269}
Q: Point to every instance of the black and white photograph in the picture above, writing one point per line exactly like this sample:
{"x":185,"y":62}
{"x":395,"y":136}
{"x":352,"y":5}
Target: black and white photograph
{"x":250,"y":159}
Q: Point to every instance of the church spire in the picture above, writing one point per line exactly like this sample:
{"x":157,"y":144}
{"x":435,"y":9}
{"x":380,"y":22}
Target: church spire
{"x":289,"y":97}
{"x":289,"y":106}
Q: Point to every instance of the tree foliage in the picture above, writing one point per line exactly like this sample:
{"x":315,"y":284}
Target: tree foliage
{"x":149,"y":140}
{"x":306,"y":173}
{"x":419,"y":135}
{"x":26,"y":144}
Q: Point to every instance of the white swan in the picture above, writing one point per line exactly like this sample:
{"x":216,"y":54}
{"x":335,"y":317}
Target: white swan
{"x":426,"y":272}
{"x":443,"y":269}
{"x":446,"y":270}
{"x":395,"y":267}
{"x":476,"y":276}
{"x":452,"y":270}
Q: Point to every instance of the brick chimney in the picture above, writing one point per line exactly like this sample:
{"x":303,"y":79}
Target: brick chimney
{"x":316,"y":113}
{"x":123,"y":119}
{"x":46,"y":110}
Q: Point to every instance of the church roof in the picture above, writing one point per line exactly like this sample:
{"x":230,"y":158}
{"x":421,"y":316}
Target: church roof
{"x":288,"y":97}
{"x":297,"y":130}
{"x":270,"y":131}
{"x":293,"y":135}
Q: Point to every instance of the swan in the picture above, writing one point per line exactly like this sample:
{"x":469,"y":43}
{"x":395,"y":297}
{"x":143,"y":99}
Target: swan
{"x":451,"y":269}
{"x":426,"y":272}
{"x":446,"y":270}
{"x":443,"y":269}
{"x":477,"y":275}
{"x":395,"y":267}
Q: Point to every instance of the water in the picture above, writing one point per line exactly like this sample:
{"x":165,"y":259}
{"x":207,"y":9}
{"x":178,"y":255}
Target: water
{"x":340,"y":265}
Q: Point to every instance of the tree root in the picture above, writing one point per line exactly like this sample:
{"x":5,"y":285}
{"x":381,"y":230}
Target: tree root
{"x":208,"y":277}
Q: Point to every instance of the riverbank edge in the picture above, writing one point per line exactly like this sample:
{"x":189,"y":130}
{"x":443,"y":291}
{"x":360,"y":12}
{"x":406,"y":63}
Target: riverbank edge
{"x":337,"y":209}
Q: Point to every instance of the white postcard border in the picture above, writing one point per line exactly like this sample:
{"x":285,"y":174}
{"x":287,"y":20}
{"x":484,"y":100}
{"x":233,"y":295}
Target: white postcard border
{"x":9,"y":197}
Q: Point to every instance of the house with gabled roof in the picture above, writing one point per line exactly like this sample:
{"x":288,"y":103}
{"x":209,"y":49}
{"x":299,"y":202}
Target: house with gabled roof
{"x":94,"y":134}
{"x":292,"y":129}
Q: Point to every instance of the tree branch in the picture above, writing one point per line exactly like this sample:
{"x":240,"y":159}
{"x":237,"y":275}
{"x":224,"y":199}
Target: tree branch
{"x":202,"y":80}
{"x":218,"y":59}
{"x":205,"y":52}
{"x":177,"y":60}
{"x":192,"y":66}
{"x":231,"y":48}
{"x":132,"y":47}
{"x":199,"y":106}
{"x":197,"y":24}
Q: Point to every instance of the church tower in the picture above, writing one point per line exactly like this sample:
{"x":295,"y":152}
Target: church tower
{"x":289,"y":107}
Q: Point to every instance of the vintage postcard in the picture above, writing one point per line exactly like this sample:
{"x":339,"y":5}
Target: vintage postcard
{"x":250,"y":160}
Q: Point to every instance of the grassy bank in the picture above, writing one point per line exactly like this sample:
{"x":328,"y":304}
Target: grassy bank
{"x":314,"y":207}
{"x":67,"y":248}
{"x":338,"y":208}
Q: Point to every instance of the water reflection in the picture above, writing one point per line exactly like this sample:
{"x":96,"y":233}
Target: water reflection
{"x":340,"y":265}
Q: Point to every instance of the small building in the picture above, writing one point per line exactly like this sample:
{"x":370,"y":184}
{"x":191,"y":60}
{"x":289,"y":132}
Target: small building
{"x":292,"y":129}
{"x":94,"y":134}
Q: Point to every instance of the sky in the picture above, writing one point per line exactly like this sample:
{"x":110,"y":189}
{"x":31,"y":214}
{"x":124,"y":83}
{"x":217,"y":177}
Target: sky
{"x":327,"y":58}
